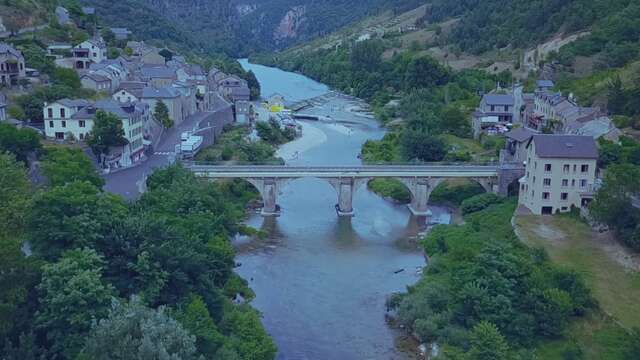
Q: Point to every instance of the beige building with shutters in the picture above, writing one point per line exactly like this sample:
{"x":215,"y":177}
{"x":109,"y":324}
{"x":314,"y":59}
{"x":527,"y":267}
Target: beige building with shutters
{"x":560,"y":173}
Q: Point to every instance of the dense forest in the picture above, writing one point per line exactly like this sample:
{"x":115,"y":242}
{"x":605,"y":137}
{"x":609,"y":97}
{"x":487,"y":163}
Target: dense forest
{"x":488,"y":24}
{"x":240,"y":28}
{"x":87,"y":275}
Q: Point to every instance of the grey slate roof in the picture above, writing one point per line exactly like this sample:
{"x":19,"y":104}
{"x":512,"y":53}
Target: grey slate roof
{"x":162,"y":72}
{"x":565,"y":146}
{"x":8,"y":49}
{"x":520,"y":134}
{"x":120,"y":110}
{"x":498,"y":99}
{"x":542,"y":83}
{"x":162,"y":93}
{"x":74,"y":102}
{"x":96,"y":77}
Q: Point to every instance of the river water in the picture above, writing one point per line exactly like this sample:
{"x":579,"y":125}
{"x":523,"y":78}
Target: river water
{"x":321,"y":280}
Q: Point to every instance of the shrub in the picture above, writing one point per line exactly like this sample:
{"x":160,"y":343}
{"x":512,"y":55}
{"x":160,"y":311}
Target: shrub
{"x":445,"y":193}
{"x":479,"y":202}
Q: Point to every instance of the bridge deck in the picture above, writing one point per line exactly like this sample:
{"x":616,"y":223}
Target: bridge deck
{"x":366,"y":171}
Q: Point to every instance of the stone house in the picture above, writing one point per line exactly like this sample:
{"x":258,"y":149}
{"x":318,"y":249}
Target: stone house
{"x":112,"y":69}
{"x":243,"y":112}
{"x":169,"y":96}
{"x":495,"y":111}
{"x":12,"y":65}
{"x":234,"y":89}
{"x":516,"y":145}
{"x":95,"y":81}
{"x":97,"y":49}
{"x":560,"y":112}
{"x":158,"y":75}
{"x":66,"y":119}
{"x":560,"y":173}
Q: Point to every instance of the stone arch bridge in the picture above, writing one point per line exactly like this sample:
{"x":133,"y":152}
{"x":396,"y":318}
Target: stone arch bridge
{"x":420,"y":180}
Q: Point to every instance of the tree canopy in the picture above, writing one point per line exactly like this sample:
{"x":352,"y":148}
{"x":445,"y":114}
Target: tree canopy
{"x":107,"y":132}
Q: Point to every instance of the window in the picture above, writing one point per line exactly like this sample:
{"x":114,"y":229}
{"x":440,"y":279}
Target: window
{"x":95,"y":55}
{"x":62,"y":113}
{"x":81,"y":123}
{"x":547,"y":167}
{"x":60,"y":135}
{"x":574,"y":167}
{"x":564,"y":208}
{"x":566,"y":168}
{"x":534,"y":180}
{"x":522,"y":187}
{"x":49,"y":113}
{"x":535,"y":165}
{"x":573,"y":182}
{"x":584,"y":168}
{"x":564,"y":196}
{"x":546,"y":195}
{"x":50,"y":123}
{"x":583,"y":183}
{"x":64,"y":124}
{"x":565,"y":182}
{"x":546,"y":182}
{"x":81,"y":136}
{"x":493,"y":108}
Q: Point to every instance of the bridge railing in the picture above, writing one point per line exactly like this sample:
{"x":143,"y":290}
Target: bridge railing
{"x":189,"y":163}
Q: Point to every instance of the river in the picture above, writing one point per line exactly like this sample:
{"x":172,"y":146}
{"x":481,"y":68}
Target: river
{"x":321,"y":280}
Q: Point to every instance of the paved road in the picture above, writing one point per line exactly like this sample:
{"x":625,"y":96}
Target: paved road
{"x":365,"y":171}
{"x":130,"y":182}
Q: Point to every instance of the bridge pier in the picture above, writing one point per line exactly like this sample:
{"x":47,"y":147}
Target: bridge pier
{"x":268,"y":189}
{"x":345,"y":189}
{"x":420,"y":189}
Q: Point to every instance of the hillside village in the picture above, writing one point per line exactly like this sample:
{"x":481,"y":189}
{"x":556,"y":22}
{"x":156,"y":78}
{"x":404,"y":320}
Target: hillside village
{"x":132,"y":86}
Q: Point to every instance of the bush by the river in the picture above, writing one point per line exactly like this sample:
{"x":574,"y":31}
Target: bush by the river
{"x":485,"y":292}
{"x":234,"y":146}
{"x":455,"y":194}
{"x":390,"y":188}
{"x":479,"y":202}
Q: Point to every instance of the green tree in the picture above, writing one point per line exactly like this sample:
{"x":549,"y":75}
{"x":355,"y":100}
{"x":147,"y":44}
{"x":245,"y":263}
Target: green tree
{"x":66,"y":77}
{"x":254,"y":85}
{"x":73,"y":294}
{"x":107,"y":132}
{"x":616,"y":96}
{"x":134,"y":331}
{"x":423,"y":147}
{"x":108,"y":36}
{"x":20,"y":142}
{"x":487,"y":343}
{"x":14,"y":196}
{"x":612,"y":204}
{"x":166,"y":54}
{"x":65,"y":165}
{"x":425,"y":72}
{"x":161,"y":113}
{"x":71,"y":216}
{"x":195,"y":318}
{"x":247,"y":338}
{"x":18,"y":274}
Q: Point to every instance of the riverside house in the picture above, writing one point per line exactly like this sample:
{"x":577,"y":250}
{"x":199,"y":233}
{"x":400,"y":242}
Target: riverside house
{"x":560,"y":173}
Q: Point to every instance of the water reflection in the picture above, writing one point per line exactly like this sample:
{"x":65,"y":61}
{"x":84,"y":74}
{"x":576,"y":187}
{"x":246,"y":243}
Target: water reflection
{"x":321,"y":280}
